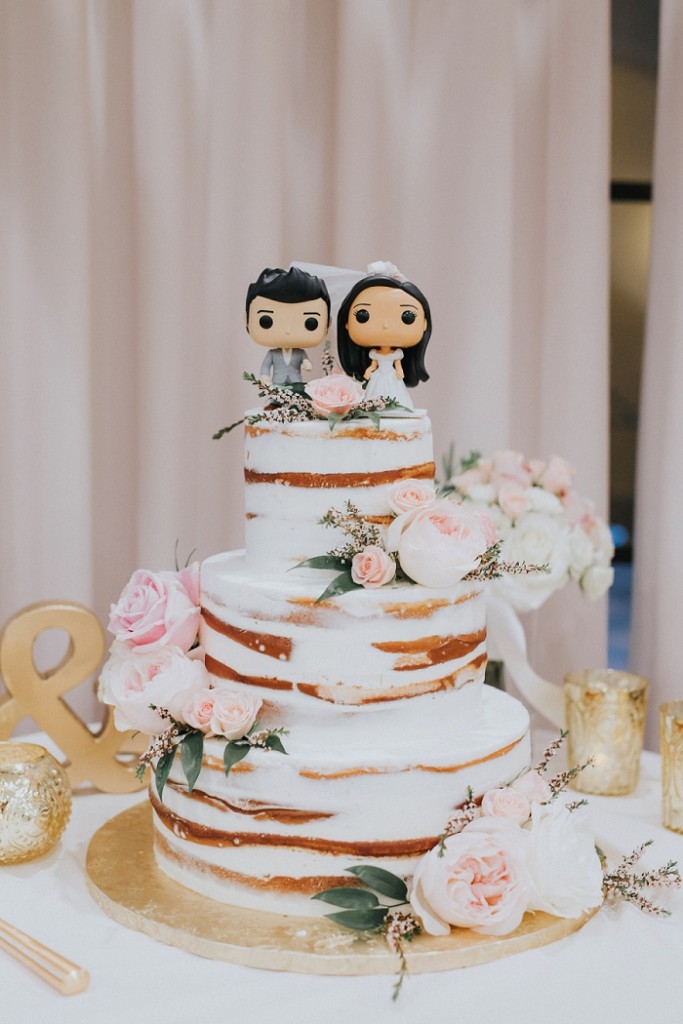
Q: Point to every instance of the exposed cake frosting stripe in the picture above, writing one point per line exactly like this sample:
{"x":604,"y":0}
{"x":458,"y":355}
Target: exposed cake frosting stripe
{"x":416,"y":689}
{"x":425,"y":471}
{"x":446,"y":768}
{"x":279,"y":647}
{"x":350,"y":694}
{"x":307,"y":886}
{"x":260,"y":811}
{"x":420,"y":653}
{"x":205,"y":835}
{"x":217,"y":668}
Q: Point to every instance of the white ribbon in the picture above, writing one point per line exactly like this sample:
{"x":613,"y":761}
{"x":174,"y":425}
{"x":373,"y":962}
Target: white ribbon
{"x":506,"y":642}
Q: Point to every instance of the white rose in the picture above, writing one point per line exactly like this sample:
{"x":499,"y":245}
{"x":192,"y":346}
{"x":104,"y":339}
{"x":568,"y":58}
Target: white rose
{"x":537,"y":540}
{"x":596,"y":581}
{"x":132,"y":680}
{"x":484,"y":494}
{"x":601,"y":539}
{"x":533,"y":786}
{"x":565,"y":870}
{"x":581,"y":552}
{"x":544,"y":501}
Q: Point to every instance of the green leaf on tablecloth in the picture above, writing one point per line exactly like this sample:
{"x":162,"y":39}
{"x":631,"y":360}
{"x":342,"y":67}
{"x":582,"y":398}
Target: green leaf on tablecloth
{"x":233,"y":753}
{"x":381,"y":880}
{"x":163,"y":768}
{"x":191,"y":753}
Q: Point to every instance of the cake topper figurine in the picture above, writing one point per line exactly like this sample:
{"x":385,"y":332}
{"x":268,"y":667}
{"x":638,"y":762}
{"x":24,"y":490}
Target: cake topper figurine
{"x":287,"y":311}
{"x":383,"y":327}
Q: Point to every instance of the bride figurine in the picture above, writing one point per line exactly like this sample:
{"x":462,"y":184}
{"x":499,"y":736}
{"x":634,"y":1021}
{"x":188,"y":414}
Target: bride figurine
{"x":383,"y":327}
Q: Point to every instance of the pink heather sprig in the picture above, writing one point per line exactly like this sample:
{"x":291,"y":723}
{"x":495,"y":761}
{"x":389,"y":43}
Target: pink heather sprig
{"x":467,"y":813}
{"x":161,"y":744}
{"x":625,"y":884}
{"x":400,"y":927}
{"x":350,"y":521}
{"x":559,"y":782}
{"x":550,"y":751}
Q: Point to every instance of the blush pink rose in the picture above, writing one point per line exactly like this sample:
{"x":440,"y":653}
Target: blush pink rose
{"x":506,"y":803}
{"x":557,"y":475}
{"x":158,"y":609}
{"x":217,"y":711}
{"x":533,"y":786}
{"x":438,"y":546}
{"x":410,"y":494}
{"x":480,"y":881}
{"x":473,"y":477}
{"x":510,"y":467}
{"x":131,"y":680}
{"x":513,"y":499}
{"x":372,"y":567}
{"x":334,"y":394}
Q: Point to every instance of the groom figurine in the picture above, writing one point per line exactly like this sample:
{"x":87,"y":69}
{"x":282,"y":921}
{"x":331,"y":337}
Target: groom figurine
{"x":287,"y":311}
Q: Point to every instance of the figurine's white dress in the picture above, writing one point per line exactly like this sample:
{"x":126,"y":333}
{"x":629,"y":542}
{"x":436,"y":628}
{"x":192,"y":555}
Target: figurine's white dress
{"x":384,"y":383}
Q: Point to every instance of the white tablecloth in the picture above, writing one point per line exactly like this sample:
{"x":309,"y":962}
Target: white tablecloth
{"x":623,"y":966}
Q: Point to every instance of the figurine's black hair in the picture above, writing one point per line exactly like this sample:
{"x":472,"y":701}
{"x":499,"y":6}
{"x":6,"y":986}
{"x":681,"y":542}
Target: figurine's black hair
{"x":293,"y":285}
{"x":355,"y":359}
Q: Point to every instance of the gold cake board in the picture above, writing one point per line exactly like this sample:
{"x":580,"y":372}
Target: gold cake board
{"x":124,"y":880}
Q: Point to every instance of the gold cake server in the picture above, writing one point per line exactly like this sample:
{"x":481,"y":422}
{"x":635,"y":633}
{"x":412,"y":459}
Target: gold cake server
{"x":57,"y":971}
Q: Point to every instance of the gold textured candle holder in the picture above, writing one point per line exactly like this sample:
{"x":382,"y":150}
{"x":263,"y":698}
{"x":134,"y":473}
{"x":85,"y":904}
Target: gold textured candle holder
{"x":671,"y":734}
{"x":605,"y":711}
{"x":35,"y":801}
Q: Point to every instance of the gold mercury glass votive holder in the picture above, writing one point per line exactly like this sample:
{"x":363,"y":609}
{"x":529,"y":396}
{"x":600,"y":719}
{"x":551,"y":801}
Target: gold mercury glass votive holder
{"x":606,"y":719}
{"x":671,"y":735}
{"x":35,"y":801}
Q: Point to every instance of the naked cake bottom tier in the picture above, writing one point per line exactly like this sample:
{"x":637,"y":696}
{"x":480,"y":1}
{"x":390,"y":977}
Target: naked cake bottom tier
{"x":280,"y":827}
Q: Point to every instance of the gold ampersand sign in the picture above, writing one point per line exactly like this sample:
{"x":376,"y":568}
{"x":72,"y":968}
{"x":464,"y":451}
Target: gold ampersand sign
{"x":91,"y":757}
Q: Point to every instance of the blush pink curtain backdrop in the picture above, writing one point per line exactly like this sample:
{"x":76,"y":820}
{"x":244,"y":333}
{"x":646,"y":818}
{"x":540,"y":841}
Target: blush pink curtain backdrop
{"x":658,"y":574}
{"x":157,"y":154}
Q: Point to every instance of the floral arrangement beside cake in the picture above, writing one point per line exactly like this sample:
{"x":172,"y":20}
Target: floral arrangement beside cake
{"x":404,"y":777}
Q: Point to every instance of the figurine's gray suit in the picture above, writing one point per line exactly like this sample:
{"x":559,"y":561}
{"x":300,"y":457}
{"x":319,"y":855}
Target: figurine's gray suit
{"x":283,"y":372}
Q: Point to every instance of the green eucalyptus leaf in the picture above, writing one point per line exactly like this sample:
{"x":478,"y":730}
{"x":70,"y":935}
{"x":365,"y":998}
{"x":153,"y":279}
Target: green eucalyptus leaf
{"x":233,"y":753}
{"x":191,"y":753}
{"x":163,"y":768}
{"x":334,"y":418}
{"x":381,"y":880}
{"x":374,"y":418}
{"x":364,"y":919}
{"x":343,"y":896}
{"x":322,"y":562}
{"x":273,"y":742}
{"x":341,"y":584}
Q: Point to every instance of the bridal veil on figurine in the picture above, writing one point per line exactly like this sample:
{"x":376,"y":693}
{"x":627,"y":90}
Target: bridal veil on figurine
{"x":383,"y":328}
{"x":287,"y":311}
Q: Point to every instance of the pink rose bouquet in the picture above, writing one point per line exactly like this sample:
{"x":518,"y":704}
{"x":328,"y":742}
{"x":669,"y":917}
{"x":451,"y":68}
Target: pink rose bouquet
{"x":158,"y":609}
{"x":540,"y":520}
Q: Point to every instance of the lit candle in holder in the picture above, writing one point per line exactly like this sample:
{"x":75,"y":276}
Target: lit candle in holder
{"x":606,"y":718}
{"x":671,"y":732}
